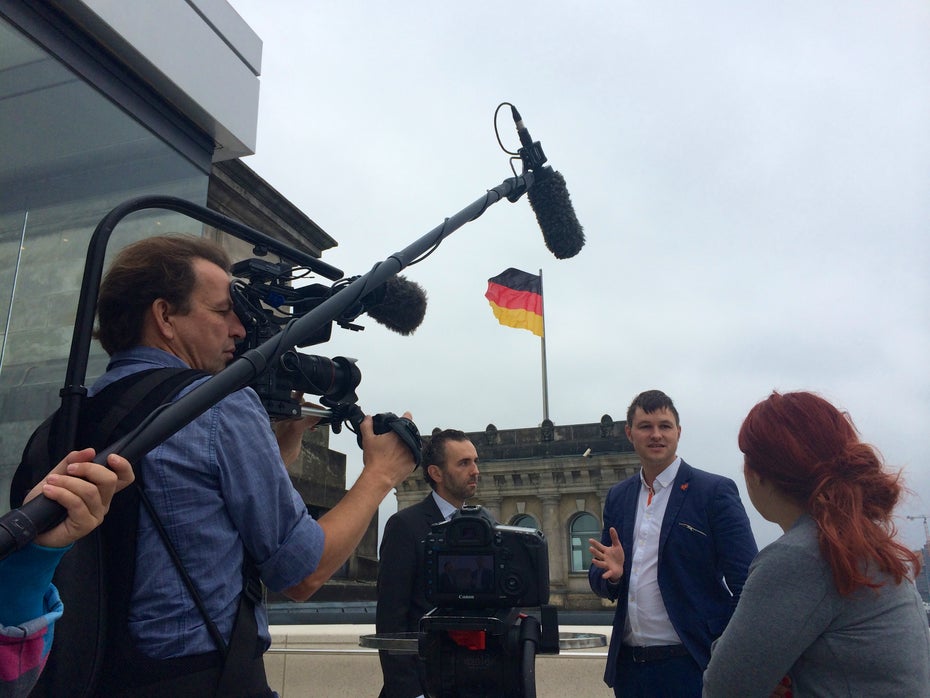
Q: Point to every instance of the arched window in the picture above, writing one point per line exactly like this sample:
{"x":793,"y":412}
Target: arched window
{"x":583,"y":526}
{"x":524,"y":520}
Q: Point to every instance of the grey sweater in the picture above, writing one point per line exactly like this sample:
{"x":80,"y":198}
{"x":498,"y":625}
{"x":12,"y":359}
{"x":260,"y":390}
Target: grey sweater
{"x":791,"y":620}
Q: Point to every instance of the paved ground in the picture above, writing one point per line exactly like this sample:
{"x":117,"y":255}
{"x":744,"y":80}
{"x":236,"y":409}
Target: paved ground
{"x":326,"y":661}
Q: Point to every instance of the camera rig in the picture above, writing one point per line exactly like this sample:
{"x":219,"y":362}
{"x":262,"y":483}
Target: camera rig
{"x":265,"y":300}
{"x":479,"y":574}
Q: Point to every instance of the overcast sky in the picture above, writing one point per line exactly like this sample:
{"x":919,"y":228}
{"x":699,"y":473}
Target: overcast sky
{"x":752,"y":178}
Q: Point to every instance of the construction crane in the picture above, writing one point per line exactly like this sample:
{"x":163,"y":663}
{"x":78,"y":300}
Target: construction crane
{"x":926,"y":527}
{"x":926,"y":547}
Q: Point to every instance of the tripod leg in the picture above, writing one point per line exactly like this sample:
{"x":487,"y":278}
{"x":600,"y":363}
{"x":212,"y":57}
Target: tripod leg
{"x":529,"y":639}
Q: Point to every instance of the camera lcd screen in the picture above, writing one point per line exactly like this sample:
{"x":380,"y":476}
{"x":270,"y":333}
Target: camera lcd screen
{"x":466,"y":574}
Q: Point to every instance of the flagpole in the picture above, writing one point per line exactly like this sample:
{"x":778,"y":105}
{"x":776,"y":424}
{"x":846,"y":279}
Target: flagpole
{"x":542,"y":340}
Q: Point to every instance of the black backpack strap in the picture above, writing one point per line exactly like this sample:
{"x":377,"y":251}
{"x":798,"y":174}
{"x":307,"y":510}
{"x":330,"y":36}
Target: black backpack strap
{"x":102,"y":419}
{"x":123,"y":405}
{"x":152,"y":387}
{"x":244,"y":668}
{"x":36,"y":461}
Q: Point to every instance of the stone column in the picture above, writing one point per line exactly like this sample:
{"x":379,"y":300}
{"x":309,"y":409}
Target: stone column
{"x":493,"y":505}
{"x":555,"y":537}
{"x":600,"y":515}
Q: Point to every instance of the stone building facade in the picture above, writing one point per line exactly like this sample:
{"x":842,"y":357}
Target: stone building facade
{"x":554,"y":478}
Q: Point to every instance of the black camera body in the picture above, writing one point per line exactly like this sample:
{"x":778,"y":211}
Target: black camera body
{"x":474,"y":562}
{"x":265,"y":300}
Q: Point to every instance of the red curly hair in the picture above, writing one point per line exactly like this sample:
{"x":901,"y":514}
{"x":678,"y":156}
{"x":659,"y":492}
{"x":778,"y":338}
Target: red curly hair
{"x":811,"y":452}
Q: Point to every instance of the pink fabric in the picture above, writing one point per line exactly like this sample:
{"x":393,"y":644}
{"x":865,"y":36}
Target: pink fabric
{"x":21,"y":661}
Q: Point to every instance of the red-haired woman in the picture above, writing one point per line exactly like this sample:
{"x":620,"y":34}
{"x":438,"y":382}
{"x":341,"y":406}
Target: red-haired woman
{"x":828,"y":609}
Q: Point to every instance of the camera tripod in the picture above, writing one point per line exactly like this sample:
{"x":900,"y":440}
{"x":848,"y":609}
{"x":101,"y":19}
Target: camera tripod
{"x":485,"y":653}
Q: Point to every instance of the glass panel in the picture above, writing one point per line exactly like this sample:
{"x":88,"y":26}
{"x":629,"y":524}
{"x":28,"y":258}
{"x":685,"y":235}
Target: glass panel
{"x":583,"y":527}
{"x":525,"y":520}
{"x":69,"y":156}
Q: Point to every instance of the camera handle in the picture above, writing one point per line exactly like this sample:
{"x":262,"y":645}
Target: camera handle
{"x":386,"y":422}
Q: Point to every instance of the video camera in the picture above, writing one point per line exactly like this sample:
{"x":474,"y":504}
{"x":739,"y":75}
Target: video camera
{"x":474,"y":562}
{"x":265,"y":300}
{"x":480,"y":574}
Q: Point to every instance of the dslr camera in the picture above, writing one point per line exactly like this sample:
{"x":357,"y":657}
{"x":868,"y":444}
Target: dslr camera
{"x":476,"y":642}
{"x":473,"y":562}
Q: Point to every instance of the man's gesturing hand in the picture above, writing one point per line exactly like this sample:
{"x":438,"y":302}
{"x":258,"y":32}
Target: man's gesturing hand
{"x":608,"y":558}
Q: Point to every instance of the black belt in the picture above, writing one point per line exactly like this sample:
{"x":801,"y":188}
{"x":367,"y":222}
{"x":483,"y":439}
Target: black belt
{"x":653,"y":653}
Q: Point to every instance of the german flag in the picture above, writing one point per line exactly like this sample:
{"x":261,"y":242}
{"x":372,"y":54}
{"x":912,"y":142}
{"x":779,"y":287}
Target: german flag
{"x":516,"y":299}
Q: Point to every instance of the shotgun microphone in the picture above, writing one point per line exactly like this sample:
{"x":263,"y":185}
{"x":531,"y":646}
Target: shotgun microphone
{"x":549,"y":198}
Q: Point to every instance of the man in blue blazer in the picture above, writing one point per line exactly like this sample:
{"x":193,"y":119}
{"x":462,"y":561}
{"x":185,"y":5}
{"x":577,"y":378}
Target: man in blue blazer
{"x":674,"y":554}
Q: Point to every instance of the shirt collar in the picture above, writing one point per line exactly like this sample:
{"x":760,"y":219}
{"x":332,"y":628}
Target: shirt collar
{"x":663,"y":479}
{"x":446,"y":509}
{"x":145,"y":354}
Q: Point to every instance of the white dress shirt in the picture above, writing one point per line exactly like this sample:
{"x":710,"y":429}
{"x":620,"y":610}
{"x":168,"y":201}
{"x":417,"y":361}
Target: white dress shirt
{"x":647,"y":621}
{"x":446,"y":509}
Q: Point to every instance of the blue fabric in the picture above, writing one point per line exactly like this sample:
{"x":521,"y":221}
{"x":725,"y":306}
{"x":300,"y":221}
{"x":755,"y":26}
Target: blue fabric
{"x":677,"y":677}
{"x":705,"y":547}
{"x":25,"y":577}
{"x":220,"y":488}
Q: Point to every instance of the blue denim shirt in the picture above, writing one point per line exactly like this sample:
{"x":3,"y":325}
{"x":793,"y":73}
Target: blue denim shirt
{"x":221,"y":488}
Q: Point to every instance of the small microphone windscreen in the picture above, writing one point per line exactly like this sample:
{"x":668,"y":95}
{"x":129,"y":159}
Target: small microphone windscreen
{"x":552,"y":205}
{"x":399,"y":305}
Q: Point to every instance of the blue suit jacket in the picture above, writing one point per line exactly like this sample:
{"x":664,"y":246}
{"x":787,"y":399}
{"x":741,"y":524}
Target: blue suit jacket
{"x":705,"y":539}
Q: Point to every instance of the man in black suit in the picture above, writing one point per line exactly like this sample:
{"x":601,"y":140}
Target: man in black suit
{"x":450,"y":467}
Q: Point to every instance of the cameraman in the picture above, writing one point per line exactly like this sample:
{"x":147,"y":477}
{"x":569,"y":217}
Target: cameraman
{"x":219,"y":485}
{"x":450,"y":467}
